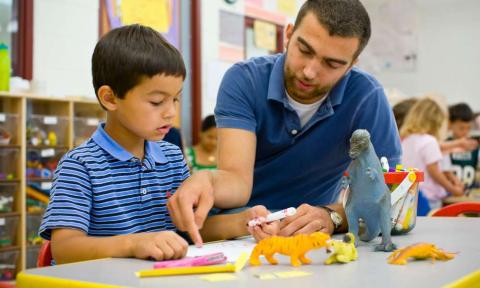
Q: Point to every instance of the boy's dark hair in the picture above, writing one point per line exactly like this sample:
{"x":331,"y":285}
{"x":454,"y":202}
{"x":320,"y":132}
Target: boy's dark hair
{"x":126,"y":54}
{"x":208,"y":122}
{"x":401,"y":109}
{"x":460,"y":112}
{"x":344,"y":18}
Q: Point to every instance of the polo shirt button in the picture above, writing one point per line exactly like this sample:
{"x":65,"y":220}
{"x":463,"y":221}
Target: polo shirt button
{"x":144,"y":191}
{"x":294,"y":132}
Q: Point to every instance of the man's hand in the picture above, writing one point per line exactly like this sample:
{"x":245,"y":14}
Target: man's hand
{"x":308,"y":219}
{"x":160,"y":246}
{"x":263,"y":230}
{"x":190,"y":205}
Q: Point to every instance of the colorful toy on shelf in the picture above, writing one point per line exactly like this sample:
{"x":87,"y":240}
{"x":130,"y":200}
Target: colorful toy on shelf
{"x":343,"y":251}
{"x":36,"y":136}
{"x":51,"y":139}
{"x":6,"y":203}
{"x":5,"y":137}
{"x":9,"y":176}
{"x":419,"y":251}
{"x":295,"y":246}
{"x":369,"y":197}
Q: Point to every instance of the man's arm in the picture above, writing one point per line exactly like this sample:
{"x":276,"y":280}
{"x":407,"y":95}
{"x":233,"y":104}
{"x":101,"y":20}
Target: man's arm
{"x":70,"y":245}
{"x":229,"y":186}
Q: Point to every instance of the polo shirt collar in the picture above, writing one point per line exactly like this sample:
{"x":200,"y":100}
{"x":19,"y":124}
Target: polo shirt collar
{"x":276,"y":86}
{"x":104,"y":140}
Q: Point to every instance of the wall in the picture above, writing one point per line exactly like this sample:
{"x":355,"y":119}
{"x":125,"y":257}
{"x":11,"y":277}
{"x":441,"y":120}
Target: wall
{"x":448,"y":51}
{"x":212,"y":67}
{"x":65,"y":34}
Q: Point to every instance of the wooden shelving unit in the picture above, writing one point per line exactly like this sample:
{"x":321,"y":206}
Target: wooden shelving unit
{"x":40,"y":130}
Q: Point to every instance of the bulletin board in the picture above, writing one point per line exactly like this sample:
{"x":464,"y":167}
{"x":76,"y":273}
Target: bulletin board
{"x":161,"y":15}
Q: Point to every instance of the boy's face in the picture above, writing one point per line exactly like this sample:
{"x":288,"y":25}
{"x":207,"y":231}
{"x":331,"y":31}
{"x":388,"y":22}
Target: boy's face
{"x":460,"y":129}
{"x":148,"y":109}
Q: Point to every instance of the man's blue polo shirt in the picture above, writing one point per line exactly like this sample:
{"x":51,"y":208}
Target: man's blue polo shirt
{"x":294,"y":164}
{"x":103,"y":190}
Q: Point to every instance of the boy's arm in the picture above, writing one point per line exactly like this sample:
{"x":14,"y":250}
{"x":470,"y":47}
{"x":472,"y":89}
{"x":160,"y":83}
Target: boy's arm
{"x":70,"y":245}
{"x":438,"y":176}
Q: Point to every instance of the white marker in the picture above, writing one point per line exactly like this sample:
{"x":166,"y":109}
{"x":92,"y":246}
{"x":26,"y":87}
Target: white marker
{"x":384,"y":162}
{"x":273,"y":216}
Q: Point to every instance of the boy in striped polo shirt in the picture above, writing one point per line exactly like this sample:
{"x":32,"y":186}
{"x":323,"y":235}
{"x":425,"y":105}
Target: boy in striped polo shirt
{"x":109,"y":195}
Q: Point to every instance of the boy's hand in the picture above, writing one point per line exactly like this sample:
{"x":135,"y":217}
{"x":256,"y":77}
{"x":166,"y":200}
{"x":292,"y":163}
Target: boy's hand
{"x":190,"y":204}
{"x":263,"y":230}
{"x":160,"y":246}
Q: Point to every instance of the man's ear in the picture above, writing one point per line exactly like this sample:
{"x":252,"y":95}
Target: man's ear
{"x":288,"y":34}
{"x":107,"y":98}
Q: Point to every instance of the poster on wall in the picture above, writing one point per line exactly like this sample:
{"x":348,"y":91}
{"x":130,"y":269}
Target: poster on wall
{"x":161,"y":15}
{"x":394,"y":42}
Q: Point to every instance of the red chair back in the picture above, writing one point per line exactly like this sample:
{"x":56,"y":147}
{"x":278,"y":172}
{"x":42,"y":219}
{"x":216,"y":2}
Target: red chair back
{"x":456,"y":209}
{"x":45,"y":255}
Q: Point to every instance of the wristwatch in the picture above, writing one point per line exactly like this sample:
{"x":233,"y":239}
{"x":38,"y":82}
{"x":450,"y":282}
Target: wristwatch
{"x":337,"y":219}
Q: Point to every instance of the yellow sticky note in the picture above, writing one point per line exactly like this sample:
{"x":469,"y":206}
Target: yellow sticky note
{"x":218,"y":277}
{"x":288,"y":7}
{"x":265,"y":35}
{"x":291,"y":274}
{"x":153,"y":13}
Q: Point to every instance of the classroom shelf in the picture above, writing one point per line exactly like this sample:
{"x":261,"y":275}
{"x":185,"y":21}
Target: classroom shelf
{"x":35,"y":132}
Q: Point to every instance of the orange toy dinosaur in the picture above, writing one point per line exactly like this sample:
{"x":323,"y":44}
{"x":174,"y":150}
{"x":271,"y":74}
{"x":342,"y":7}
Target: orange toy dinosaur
{"x":295,"y":246}
{"x":418,"y":251}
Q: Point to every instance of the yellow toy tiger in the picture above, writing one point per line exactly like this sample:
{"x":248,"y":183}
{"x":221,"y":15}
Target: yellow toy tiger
{"x":295,"y":246}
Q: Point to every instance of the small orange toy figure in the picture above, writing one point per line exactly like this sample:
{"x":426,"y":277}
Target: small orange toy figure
{"x":295,"y":246}
{"x":343,"y":251}
{"x":419,"y":251}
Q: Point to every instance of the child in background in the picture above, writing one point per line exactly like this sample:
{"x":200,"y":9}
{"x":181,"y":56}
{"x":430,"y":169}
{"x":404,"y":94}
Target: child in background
{"x":464,"y":163}
{"x":400,"y":110}
{"x":204,"y":155}
{"x":420,"y":135}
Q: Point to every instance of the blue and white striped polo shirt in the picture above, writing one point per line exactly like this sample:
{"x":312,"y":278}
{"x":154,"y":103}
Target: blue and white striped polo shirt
{"x":102,"y":189}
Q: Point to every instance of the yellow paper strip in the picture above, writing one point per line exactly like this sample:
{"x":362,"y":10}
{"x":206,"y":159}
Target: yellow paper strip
{"x":229,"y":267}
{"x":218,"y":277}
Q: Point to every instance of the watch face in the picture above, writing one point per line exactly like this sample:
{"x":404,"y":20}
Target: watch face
{"x":336,"y":218}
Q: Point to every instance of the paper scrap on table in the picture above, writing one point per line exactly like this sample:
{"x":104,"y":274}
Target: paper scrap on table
{"x":283,"y":274}
{"x":218,"y":277}
{"x":231,"y":249}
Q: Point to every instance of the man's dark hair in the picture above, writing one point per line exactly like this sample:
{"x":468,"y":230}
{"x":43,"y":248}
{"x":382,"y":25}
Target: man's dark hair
{"x":460,"y":112}
{"x":126,"y":54}
{"x":208,"y":122}
{"x":344,"y":18}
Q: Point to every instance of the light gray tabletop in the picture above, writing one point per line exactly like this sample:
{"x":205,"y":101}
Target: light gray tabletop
{"x":370,"y":270}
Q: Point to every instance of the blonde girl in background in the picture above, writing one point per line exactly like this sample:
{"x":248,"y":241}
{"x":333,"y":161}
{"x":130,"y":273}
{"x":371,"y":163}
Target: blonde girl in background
{"x":420,"y":135}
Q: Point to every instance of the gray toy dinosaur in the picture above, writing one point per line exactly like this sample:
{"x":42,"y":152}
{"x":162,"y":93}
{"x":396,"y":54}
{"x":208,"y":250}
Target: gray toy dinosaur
{"x":369,"y":196}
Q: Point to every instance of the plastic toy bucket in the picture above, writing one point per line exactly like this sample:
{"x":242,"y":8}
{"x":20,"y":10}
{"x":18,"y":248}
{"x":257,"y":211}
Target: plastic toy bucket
{"x":403,"y":186}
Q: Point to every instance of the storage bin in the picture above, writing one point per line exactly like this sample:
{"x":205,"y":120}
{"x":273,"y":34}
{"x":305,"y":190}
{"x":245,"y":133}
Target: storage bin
{"x":33,"y":224}
{"x":42,"y":162}
{"x":83,"y":129}
{"x":404,"y":197}
{"x":8,"y":128}
{"x":9,"y":163}
{"x":7,"y":196}
{"x":32,"y":256}
{"x":47,"y":130}
{"x":8,"y":264}
{"x":8,"y":229}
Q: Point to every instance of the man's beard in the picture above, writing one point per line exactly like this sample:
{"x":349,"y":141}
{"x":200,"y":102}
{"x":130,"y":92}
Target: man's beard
{"x":316,"y":93}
